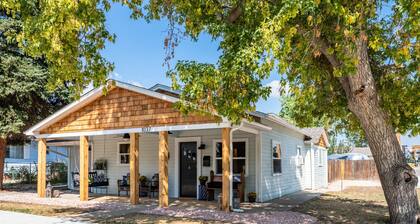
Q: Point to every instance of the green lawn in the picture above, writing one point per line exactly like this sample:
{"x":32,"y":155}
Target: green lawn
{"x":353,"y":205}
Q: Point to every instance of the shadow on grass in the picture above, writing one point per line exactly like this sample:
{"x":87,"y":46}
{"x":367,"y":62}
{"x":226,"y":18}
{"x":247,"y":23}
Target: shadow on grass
{"x":331,"y":208}
{"x":44,"y":210}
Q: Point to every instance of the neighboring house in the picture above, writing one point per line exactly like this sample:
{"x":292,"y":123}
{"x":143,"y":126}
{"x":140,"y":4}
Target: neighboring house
{"x":362,"y":150}
{"x":349,"y":156}
{"x":277,"y":157}
{"x":316,"y":152}
{"x":415,"y":149}
{"x":28,"y":153}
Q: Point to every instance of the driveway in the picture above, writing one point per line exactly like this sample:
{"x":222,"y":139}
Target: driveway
{"x":22,"y":218}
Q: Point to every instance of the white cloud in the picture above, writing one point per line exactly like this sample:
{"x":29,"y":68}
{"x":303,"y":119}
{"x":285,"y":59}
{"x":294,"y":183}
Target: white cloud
{"x":115,"y":75}
{"x":276,"y":88}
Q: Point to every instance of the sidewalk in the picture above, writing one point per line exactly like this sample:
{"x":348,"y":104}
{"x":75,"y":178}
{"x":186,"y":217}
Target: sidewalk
{"x":22,"y":218}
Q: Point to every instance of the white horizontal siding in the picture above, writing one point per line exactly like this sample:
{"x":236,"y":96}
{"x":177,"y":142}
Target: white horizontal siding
{"x":307,"y":168}
{"x":106,"y":147}
{"x":291,"y":178}
{"x":320,"y":170}
{"x":207,"y":137}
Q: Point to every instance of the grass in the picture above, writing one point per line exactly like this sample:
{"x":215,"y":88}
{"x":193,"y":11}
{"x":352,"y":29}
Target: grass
{"x":352,"y":205}
{"x":44,"y":210}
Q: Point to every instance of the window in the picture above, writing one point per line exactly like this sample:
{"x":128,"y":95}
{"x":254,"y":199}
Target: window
{"x":276,"y":157}
{"x":299,"y":156}
{"x":124,"y":153}
{"x":15,"y":152}
{"x":298,"y":151}
{"x":239,"y":157}
{"x":320,"y":157}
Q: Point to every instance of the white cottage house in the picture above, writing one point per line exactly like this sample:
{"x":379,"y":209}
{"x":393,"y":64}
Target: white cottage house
{"x":137,"y":131}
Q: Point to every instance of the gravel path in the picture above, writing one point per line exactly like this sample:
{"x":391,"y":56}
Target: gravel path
{"x":232,"y":217}
{"x":108,"y":208}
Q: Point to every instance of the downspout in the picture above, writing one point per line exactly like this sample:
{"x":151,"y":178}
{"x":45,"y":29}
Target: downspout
{"x":231,"y":164}
{"x":312,"y":167}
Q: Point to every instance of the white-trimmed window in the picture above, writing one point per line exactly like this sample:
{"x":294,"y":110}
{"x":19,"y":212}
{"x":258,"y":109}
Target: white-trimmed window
{"x":276,"y":157}
{"x":298,"y":151}
{"x":124,"y":153}
{"x":240,"y":153}
{"x":299,"y":155}
{"x":320,"y":157}
{"x":15,"y":152}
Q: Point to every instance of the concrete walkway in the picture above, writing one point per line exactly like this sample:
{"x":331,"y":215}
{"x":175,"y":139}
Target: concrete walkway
{"x":22,"y":218}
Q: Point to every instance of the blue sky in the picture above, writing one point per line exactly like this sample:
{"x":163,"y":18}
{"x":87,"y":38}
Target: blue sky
{"x":138,"y":55}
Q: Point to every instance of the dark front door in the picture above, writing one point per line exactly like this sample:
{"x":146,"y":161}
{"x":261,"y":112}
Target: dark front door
{"x":188,"y":169}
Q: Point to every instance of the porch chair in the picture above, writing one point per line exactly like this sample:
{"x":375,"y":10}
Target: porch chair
{"x":123,"y":185}
{"x":154,"y":185}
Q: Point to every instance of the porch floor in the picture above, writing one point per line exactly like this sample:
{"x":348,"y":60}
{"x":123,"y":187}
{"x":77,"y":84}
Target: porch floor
{"x":105,"y":206}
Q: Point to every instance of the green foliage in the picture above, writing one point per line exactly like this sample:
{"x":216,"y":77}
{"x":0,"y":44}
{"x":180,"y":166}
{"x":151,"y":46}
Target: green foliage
{"x":295,"y":38}
{"x":68,"y":34}
{"x":24,"y":99}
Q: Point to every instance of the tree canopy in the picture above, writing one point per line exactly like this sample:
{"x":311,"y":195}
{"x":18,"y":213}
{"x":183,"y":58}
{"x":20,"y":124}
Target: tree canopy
{"x":24,"y":100}
{"x":257,"y":37}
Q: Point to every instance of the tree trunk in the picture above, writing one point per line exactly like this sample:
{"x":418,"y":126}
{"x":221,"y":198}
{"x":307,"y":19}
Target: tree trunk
{"x":398,"y":180}
{"x":2,"y":158}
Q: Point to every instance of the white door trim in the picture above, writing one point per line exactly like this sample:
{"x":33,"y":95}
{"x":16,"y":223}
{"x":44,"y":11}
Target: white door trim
{"x":176,"y":161}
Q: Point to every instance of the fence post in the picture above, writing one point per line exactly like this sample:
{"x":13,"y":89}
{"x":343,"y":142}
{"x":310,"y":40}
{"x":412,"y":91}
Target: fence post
{"x":342,"y":173}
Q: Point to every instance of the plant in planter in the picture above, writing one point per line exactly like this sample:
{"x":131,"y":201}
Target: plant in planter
{"x":203,"y":179}
{"x":100,"y":164}
{"x":143,"y":180}
{"x":252,"y":196}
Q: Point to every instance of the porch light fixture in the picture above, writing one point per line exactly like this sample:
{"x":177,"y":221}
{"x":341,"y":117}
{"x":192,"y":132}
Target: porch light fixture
{"x":126,"y":136}
{"x":202,"y":147}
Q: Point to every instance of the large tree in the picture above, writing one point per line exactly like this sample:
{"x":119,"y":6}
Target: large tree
{"x":336,"y":56}
{"x":353,"y":60}
{"x":24,"y":100}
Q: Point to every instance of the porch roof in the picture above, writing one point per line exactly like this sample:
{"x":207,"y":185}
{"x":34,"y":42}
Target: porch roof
{"x":125,"y":108}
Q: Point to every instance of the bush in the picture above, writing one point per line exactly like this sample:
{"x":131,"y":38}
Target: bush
{"x":57,"y":173}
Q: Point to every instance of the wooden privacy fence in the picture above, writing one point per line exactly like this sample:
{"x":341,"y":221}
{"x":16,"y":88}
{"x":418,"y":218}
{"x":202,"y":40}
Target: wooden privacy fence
{"x":352,"y":170}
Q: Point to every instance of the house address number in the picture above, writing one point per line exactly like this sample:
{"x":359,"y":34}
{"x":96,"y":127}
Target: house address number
{"x":146,"y":129}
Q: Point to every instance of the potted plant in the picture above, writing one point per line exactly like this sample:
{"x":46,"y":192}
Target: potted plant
{"x":203,"y":180}
{"x":100,"y":164}
{"x":143,"y":180}
{"x":252,"y":196}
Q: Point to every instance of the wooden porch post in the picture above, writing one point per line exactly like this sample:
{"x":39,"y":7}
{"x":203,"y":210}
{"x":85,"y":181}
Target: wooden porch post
{"x":42,"y":167}
{"x":134,"y":168}
{"x":84,"y":172}
{"x":163,"y":169}
{"x":225,"y":169}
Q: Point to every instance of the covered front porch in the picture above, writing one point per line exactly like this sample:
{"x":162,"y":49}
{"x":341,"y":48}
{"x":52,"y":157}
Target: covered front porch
{"x":139,"y":133}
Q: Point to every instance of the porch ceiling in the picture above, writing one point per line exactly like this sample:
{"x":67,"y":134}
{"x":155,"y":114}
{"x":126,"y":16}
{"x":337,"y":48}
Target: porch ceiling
{"x":123,"y":109}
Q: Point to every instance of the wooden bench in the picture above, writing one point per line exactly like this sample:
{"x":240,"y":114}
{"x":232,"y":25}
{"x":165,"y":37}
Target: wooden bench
{"x":216,"y":183}
{"x":95,"y":180}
